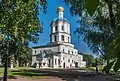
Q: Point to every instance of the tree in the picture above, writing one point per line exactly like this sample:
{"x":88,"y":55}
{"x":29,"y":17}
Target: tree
{"x":90,"y":60}
{"x":25,"y":56}
{"x":19,"y":24}
{"x":100,"y":27}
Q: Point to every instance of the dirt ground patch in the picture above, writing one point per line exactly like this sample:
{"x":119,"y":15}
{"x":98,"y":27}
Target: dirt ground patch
{"x":94,"y":78}
{"x":33,"y":79}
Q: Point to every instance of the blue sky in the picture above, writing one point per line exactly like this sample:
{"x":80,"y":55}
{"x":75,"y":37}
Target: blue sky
{"x":49,"y":16}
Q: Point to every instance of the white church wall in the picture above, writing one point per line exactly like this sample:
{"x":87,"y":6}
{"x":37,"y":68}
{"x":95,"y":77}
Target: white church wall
{"x":53,"y":28}
{"x":65,"y":27}
{"x":60,"y":26}
{"x":45,"y":63}
{"x":34,"y":60}
{"x":63,"y":60}
{"x":55,"y":62}
{"x":69,"y":28}
{"x":39,"y":50}
{"x":65,"y":37}
{"x":68,"y":50}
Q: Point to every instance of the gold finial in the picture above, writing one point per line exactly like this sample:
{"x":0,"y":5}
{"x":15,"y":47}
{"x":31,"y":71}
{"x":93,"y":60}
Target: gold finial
{"x":60,"y":9}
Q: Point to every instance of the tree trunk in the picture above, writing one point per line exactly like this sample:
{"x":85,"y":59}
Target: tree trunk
{"x":96,"y":69}
{"x":96,"y":65}
{"x":5,"y":70}
{"x":6,"y":63}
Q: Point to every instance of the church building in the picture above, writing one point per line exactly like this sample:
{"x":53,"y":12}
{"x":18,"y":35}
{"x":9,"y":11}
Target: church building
{"x":59,"y":53}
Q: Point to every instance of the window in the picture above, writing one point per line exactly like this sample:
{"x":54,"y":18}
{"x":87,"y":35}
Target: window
{"x":72,"y":52}
{"x":68,"y":61}
{"x":62,"y":37}
{"x":62,"y":28}
{"x":35,"y":51}
{"x":55,"y":38}
{"x":68,"y":40}
{"x":68,"y":52}
{"x":43,"y":63}
{"x":60,"y":14}
{"x":63,"y":50}
{"x":40,"y":51}
{"x":55,"y":28}
{"x":55,"y":61}
{"x":59,"y":61}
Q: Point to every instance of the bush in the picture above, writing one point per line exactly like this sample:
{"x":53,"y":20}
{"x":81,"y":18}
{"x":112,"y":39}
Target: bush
{"x":91,"y":68}
{"x":1,"y":65}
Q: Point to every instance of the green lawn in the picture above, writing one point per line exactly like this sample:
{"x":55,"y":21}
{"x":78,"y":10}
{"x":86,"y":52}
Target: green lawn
{"x":92,"y":68}
{"x":21,"y":72}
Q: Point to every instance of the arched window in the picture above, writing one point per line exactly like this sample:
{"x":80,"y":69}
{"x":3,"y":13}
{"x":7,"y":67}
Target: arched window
{"x":68,"y":52}
{"x":62,"y":37}
{"x":62,"y":28}
{"x":55,"y":38}
{"x":43,"y":63}
{"x":72,"y":61}
{"x":68,"y":60}
{"x":75,"y":52}
{"x":58,"y":61}
{"x":60,"y":15}
{"x":72,"y":52}
{"x":35,"y":51}
{"x":63,"y":50}
{"x":55,"y":28}
{"x":68,"y":40}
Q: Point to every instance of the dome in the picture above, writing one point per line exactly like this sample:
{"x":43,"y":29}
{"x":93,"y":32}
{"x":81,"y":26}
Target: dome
{"x":60,"y":9}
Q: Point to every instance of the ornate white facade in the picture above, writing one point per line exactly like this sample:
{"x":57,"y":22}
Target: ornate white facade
{"x":59,"y":53}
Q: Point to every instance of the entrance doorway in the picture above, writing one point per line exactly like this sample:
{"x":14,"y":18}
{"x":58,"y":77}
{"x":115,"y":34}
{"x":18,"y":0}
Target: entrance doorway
{"x":40,"y":64}
{"x":76,"y":64}
{"x":63,"y":65}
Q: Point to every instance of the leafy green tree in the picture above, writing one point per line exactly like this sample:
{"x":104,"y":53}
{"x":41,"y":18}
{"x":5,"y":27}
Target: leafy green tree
{"x":90,"y":60}
{"x":100,"y":27}
{"x":19,"y":24}
{"x":25,"y":56}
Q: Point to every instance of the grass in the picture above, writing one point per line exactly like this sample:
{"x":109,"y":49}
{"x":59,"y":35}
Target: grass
{"x":20,"y":72}
{"x":23,"y":68}
{"x":2,"y":71}
{"x":92,"y":68}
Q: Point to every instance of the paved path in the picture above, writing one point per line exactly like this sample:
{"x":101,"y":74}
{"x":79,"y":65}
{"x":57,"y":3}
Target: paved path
{"x":28,"y":79}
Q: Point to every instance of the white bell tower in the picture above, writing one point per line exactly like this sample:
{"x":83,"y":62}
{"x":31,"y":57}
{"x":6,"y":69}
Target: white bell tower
{"x":60,"y":28}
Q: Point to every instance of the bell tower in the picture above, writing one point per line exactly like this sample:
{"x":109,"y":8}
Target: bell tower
{"x":60,"y":28}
